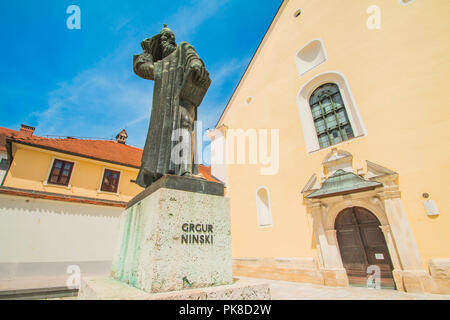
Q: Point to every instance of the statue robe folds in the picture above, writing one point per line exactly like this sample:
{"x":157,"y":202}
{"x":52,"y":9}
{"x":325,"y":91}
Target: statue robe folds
{"x":176,"y":97}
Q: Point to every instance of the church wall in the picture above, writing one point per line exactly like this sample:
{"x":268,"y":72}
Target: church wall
{"x":398,"y":76}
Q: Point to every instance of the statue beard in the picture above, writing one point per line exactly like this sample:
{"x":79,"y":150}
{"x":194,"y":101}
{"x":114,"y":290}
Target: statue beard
{"x":168,"y":48}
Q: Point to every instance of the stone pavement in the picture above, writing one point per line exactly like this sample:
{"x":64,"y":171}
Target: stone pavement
{"x":283,"y":290}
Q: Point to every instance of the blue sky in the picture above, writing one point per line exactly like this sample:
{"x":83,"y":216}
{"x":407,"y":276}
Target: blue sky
{"x":80,"y":82}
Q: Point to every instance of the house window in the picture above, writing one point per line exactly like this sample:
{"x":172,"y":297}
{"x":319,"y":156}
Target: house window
{"x":263,"y":208}
{"x":4,"y":164}
{"x":61,"y":172}
{"x":330,"y":116}
{"x":110,"y":181}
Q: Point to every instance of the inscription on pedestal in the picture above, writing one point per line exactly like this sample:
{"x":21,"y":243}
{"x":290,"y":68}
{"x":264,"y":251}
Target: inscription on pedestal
{"x":197,"y":233}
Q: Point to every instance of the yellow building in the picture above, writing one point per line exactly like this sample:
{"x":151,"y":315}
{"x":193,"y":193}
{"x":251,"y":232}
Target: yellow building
{"x":101,"y":171}
{"x":349,"y":98}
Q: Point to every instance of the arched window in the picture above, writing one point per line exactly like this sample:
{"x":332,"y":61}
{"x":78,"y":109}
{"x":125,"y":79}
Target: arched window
{"x":330,"y":116}
{"x":263,"y":208}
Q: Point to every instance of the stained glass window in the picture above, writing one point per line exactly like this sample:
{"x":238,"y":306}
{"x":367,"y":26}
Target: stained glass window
{"x":329,"y":114}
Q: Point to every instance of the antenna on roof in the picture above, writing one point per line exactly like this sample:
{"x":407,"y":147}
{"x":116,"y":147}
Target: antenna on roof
{"x":73,"y":137}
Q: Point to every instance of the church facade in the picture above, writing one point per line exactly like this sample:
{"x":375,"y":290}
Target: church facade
{"x":350,"y":100}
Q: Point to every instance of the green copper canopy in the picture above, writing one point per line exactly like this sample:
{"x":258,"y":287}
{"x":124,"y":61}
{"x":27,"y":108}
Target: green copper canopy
{"x":342,"y":182}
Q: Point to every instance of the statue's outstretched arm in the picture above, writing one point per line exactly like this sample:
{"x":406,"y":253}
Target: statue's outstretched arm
{"x":143,"y":66}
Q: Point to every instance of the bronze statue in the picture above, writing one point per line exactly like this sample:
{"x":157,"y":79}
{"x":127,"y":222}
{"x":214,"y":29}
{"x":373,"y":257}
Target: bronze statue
{"x":181,"y":82}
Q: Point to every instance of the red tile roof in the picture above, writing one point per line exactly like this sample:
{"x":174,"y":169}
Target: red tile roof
{"x":104,"y":150}
{"x":205,"y":172}
{"x":4,"y":133}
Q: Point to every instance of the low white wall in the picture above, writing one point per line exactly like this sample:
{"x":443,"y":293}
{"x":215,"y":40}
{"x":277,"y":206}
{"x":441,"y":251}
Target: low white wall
{"x":40,"y":239}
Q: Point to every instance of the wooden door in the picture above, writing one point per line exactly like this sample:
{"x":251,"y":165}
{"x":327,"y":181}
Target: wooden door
{"x":362,"y":244}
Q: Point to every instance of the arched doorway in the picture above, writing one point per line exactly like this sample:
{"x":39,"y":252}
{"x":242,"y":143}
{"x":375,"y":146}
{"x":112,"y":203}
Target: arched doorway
{"x":362,"y":244}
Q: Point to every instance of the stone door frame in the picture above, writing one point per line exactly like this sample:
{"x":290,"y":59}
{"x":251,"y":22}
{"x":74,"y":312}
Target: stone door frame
{"x":385,"y":203}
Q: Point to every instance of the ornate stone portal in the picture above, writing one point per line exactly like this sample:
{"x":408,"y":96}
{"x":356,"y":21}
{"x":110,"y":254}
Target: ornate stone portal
{"x":378,"y":192}
{"x":174,"y":237}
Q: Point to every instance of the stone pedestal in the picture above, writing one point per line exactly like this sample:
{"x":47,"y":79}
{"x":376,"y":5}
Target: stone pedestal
{"x":110,"y":289}
{"x":172,"y":239}
{"x":174,"y":236}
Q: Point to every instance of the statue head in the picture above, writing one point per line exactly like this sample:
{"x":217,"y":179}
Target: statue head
{"x":168,"y":43}
{"x":160,"y":45}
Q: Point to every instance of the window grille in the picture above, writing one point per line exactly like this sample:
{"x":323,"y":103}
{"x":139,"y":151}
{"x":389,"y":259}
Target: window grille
{"x":329,"y":114}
